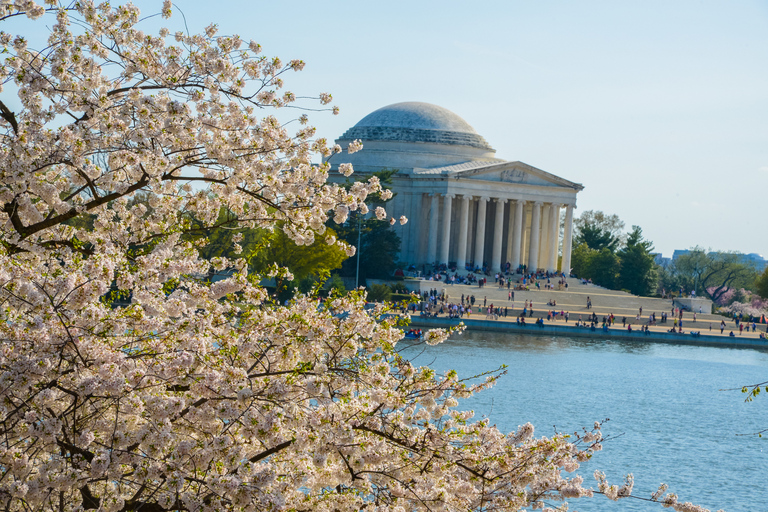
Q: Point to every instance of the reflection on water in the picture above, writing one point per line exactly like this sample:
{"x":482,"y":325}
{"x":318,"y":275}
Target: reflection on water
{"x":671,"y":421}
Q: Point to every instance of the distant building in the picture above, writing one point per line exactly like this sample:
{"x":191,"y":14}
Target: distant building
{"x":661,"y":260}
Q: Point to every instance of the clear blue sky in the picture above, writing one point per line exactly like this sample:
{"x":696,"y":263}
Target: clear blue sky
{"x":659,"y":108}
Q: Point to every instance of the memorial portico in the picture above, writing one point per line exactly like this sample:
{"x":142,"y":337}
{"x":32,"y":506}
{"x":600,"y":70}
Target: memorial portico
{"x":465,"y":207}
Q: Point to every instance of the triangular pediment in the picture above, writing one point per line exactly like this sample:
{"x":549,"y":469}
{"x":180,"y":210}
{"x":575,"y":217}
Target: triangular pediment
{"x":513,"y":172}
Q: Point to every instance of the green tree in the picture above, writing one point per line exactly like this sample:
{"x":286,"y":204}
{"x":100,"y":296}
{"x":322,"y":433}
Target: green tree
{"x":581,"y":258}
{"x":761,"y":284}
{"x":712,"y":274}
{"x":379,"y":244}
{"x":379,"y":293}
{"x":667,"y":279}
{"x":596,"y":237}
{"x":599,"y":230}
{"x":604,"y":267}
{"x":689,"y":268}
{"x":637,"y":269}
{"x":314,"y":261}
{"x":336,"y":285}
{"x":218,"y":239}
{"x":263,"y":249}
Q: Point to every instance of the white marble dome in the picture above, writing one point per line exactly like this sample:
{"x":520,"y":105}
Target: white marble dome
{"x":412,"y":135}
{"x":414,"y":121}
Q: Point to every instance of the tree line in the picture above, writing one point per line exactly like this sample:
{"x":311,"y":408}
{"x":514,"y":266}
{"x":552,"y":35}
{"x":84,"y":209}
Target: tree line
{"x":615,"y":259}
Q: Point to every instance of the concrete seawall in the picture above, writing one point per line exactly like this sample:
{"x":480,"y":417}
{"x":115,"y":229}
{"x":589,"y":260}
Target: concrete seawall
{"x":585,"y":332}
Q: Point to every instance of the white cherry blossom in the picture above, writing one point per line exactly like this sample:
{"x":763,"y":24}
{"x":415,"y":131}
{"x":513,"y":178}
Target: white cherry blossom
{"x":135,"y":375}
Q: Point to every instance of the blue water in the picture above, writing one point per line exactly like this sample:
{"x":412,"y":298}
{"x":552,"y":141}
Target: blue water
{"x":669,"y":419}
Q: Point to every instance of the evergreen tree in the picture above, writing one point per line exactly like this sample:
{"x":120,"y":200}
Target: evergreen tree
{"x":596,"y":237}
{"x":637,"y":270}
{"x":604,"y":266}
{"x":581,"y":257}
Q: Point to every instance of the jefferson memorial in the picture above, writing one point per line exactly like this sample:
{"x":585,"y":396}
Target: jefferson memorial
{"x":464,"y":206}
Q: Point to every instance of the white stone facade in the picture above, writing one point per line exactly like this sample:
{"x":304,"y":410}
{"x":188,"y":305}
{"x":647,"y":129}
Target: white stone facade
{"x":464,"y":206}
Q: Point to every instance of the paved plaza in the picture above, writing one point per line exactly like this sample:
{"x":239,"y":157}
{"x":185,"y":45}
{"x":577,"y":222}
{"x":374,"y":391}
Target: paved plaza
{"x":574,"y":301}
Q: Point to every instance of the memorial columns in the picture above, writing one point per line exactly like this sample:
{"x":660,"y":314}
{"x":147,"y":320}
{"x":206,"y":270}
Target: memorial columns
{"x":480,"y":231}
{"x":533,"y":251}
{"x":471,"y":228}
{"x":544,"y":236}
{"x":510,"y":225}
{"x":461,"y":257}
{"x":554,"y":228}
{"x":517,"y":235}
{"x":498,"y":233}
{"x":568,"y":233}
{"x":447,"y":200}
{"x":432,"y":246}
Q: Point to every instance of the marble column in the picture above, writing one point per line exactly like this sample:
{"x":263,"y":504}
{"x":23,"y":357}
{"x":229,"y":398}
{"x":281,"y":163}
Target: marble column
{"x":554,"y":231}
{"x":480,"y":231}
{"x":498,"y":233}
{"x":461,"y":258}
{"x":544,"y":236}
{"x":517,"y":236}
{"x":565,"y":266}
{"x":432,"y":237}
{"x":526,"y":233}
{"x":533,"y":251}
{"x":510,"y":225}
{"x":447,"y":200}
{"x":471,"y":228}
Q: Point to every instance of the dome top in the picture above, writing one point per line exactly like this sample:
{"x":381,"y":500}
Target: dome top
{"x":418,"y":115}
{"x":416,"y":122}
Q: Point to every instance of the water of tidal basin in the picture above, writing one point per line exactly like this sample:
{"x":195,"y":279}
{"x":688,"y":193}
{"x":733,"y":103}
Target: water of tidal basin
{"x":671,"y":421}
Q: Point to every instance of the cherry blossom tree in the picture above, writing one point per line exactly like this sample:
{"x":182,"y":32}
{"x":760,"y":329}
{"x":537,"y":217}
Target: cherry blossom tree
{"x":207,"y":396}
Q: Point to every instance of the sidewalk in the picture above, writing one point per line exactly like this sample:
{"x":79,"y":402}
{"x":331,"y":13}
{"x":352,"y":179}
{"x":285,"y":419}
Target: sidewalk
{"x":574,"y":301}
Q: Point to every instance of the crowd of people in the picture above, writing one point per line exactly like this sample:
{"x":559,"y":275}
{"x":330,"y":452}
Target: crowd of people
{"x":436,"y":303}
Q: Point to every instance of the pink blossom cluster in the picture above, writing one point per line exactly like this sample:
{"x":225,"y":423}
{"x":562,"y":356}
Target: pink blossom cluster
{"x":742,"y":301}
{"x":725,"y":298}
{"x":128,"y":381}
{"x":755,"y":308}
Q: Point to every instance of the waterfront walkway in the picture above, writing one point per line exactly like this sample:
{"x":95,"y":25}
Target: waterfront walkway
{"x":574,"y":301}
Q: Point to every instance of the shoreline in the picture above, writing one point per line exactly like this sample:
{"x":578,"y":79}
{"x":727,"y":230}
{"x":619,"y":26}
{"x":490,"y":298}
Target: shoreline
{"x":705,"y":340}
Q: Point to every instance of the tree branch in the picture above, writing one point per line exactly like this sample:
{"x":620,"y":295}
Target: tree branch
{"x":9,"y":116}
{"x":271,"y":451}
